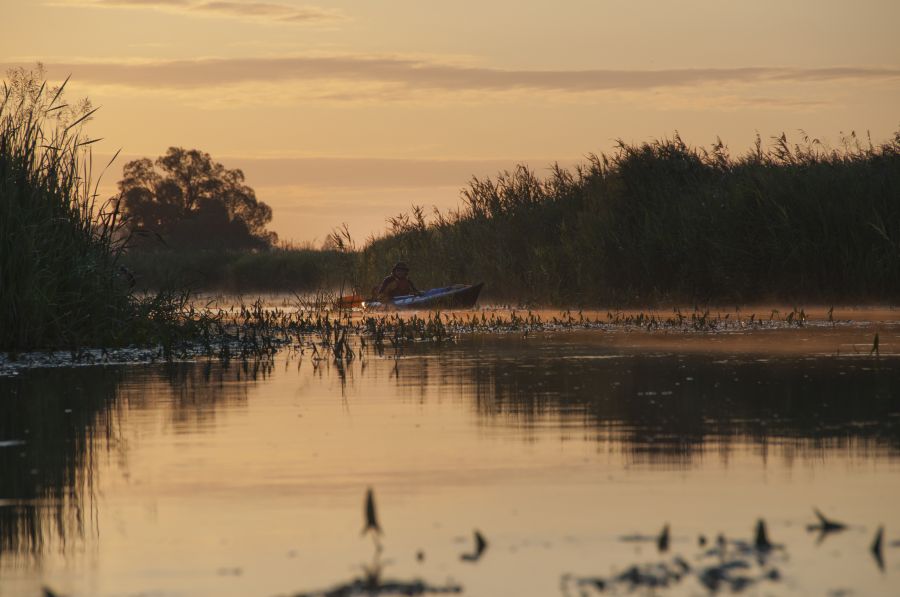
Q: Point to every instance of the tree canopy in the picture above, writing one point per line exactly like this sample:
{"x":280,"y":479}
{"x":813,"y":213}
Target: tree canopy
{"x":187,"y":201}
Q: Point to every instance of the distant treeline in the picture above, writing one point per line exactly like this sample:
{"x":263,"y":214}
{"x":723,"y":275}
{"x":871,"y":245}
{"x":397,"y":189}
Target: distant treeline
{"x":273,"y":270}
{"x":664,"y":221}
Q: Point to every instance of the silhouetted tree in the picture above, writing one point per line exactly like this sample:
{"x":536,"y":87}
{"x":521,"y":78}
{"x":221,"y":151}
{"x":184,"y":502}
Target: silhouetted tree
{"x":191,"y":202}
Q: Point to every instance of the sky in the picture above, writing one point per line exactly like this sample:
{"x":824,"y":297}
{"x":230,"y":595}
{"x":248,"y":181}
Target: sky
{"x":352,"y":111}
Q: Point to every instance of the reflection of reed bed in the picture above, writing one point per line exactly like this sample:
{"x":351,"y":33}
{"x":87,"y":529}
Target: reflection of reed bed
{"x":672,"y":411}
{"x":657,"y":408}
{"x":55,"y":424}
{"x":195,"y":393}
{"x":58,"y":419}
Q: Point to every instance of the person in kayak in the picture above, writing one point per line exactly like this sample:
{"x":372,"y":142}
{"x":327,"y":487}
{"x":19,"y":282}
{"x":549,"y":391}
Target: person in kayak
{"x":397,"y":283}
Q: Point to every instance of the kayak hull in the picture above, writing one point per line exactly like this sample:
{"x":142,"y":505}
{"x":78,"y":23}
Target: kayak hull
{"x":459,"y":296}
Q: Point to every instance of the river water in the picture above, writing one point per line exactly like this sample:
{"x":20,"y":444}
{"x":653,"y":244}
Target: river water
{"x":567,"y":453}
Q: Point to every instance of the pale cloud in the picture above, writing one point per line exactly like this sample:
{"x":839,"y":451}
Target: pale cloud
{"x":259,"y":11}
{"x":266,"y":10}
{"x":722,"y":98}
{"x":699,"y":100}
{"x":133,"y":3}
{"x":779,"y":103}
{"x":414,"y":74}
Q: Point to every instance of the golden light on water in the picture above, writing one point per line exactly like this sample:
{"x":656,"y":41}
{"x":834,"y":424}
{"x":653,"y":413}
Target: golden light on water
{"x":219,"y":481}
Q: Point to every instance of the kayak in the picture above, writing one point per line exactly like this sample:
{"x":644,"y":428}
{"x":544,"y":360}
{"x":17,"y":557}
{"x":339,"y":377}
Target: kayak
{"x":458,"y":296}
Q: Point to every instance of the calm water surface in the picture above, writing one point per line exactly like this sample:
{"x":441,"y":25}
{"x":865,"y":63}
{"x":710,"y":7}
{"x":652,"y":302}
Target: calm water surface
{"x":206,"y":479}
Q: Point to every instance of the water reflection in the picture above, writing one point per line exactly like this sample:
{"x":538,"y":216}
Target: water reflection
{"x":192,"y":393}
{"x":52,"y":425}
{"x":667,"y":411}
{"x":56,"y":423}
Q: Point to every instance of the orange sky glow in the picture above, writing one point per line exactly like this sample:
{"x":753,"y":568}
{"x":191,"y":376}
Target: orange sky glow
{"x":352,"y":111}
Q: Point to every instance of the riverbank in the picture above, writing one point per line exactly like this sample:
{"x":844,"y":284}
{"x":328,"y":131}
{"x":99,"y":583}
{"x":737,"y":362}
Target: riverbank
{"x":664,"y":222}
{"x":653,"y":223}
{"x":257,"y":332}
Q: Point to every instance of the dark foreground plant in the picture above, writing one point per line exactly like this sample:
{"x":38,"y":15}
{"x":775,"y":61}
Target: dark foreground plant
{"x":60,"y":282}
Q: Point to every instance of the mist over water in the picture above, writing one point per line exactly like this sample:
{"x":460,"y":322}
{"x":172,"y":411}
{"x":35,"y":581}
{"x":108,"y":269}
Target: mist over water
{"x":249,"y":479}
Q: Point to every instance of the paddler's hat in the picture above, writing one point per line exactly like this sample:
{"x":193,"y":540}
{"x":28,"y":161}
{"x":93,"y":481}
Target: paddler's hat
{"x":401,"y":265}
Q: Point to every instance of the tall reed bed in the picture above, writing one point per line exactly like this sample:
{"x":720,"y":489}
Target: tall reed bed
{"x":666,"y":221}
{"x":60,"y":282}
{"x":57,"y":246}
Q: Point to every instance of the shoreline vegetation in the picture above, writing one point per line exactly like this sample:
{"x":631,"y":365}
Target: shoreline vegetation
{"x":650,"y":224}
{"x":666,"y":223}
{"x":61,"y":284}
{"x":308,"y":330}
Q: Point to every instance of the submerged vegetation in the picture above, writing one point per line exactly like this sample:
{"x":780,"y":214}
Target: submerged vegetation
{"x":254,"y":333}
{"x":666,"y":221}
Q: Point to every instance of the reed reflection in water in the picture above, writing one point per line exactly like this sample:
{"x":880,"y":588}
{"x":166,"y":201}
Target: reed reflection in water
{"x":55,"y":424}
{"x":259,"y":468}
{"x":51,"y":426}
{"x":665,"y":410}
